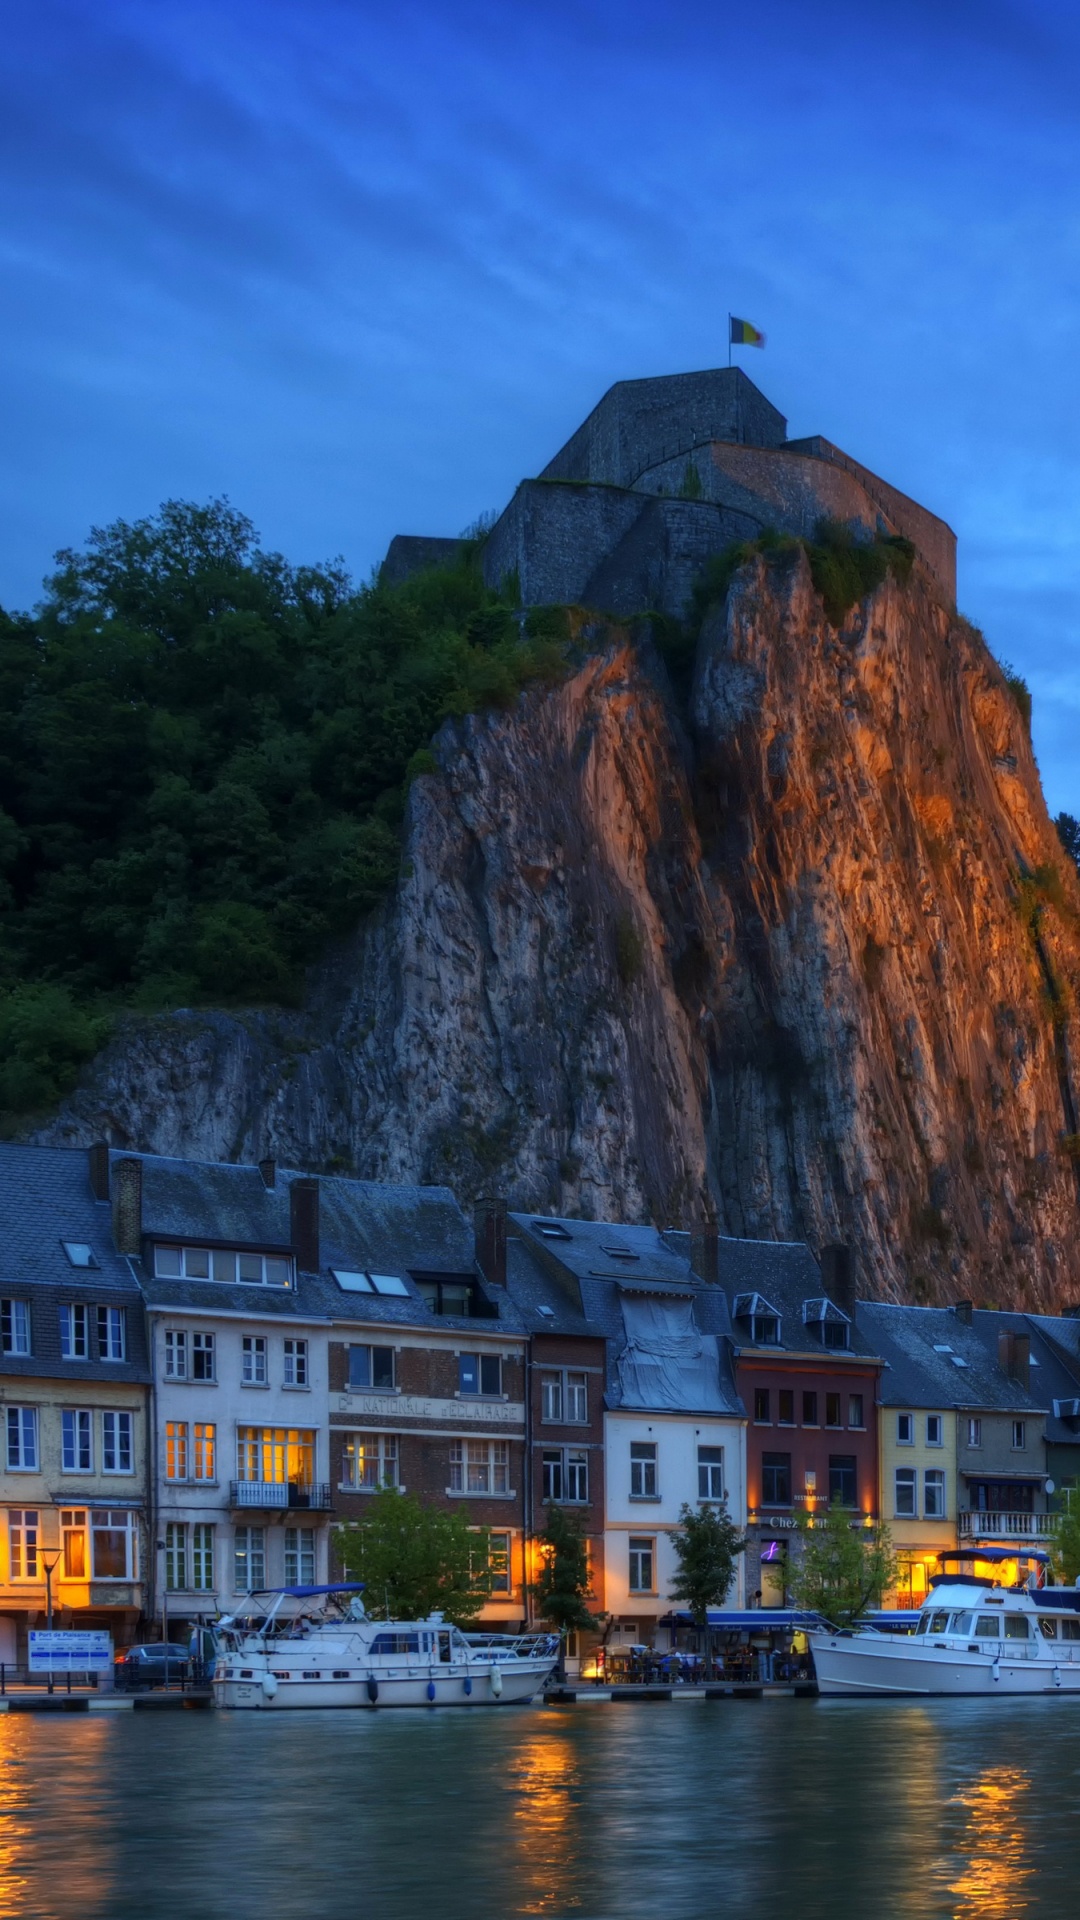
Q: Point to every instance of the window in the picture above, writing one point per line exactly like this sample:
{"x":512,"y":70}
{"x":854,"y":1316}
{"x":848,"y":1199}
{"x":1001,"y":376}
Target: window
{"x":74,"y":1331}
{"x":175,"y":1557}
{"x":22,"y":1439}
{"x":371,"y":1460}
{"x":204,"y":1451}
{"x":551,"y":1396}
{"x":111,"y":1333}
{"x":499,"y":1562}
{"x":905,"y":1429}
{"x":456,"y":1296}
{"x":76,"y":1440}
{"x":249,"y":1559}
{"x":577,"y":1477}
{"x":855,"y":1410}
{"x":832,"y":1410}
{"x":577,"y":1398}
{"x":113,"y":1545}
{"x":809,"y":1410}
{"x":202,"y":1557}
{"x":73,"y":1534}
{"x":15,"y":1326}
{"x":564,"y":1397}
{"x":1016,"y":1627}
{"x":299,"y":1556}
{"x":934,"y":1493}
{"x":776,"y":1479}
{"x":176,"y":1450}
{"x":835,"y":1333}
{"x":175,"y":1355}
{"x":1019,"y":1435}
{"x":116,"y":1447}
{"x":276,"y":1456}
{"x":762,"y":1406}
{"x":24,"y":1533}
{"x":479,"y":1466}
{"x":843,"y":1479}
{"x":480,"y":1373}
{"x":785,"y":1407}
{"x":642,"y":1556}
{"x":974,"y":1433}
{"x":253,"y":1366}
{"x":905,"y":1503}
{"x":765,"y":1329}
{"x":78,"y":1253}
{"x":204,"y":1263}
{"x":202,"y":1356}
{"x":551,"y":1470}
{"x":934,"y":1430}
{"x":643,"y":1479}
{"x":372,"y":1367}
{"x":296,"y":1374}
{"x":710,"y":1473}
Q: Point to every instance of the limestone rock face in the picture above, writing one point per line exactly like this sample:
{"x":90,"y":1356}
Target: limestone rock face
{"x":805,"y":961}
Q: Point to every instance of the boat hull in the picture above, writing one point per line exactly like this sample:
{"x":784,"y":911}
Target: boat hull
{"x":517,"y":1684}
{"x":868,"y":1665}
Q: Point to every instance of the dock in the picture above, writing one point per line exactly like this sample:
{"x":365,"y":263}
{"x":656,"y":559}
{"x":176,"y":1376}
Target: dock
{"x":89,"y":1700}
{"x":584,"y":1695}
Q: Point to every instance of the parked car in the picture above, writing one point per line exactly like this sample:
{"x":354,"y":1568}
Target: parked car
{"x":151,"y":1666}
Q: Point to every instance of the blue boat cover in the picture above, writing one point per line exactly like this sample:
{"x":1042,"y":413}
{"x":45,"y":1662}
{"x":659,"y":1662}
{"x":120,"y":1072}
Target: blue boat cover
{"x":309,"y":1593}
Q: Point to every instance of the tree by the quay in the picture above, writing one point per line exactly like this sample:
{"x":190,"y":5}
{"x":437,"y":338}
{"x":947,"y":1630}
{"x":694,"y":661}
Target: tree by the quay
{"x":561,"y":1589}
{"x":416,"y":1560}
{"x":844,"y":1567}
{"x":1065,"y":1545}
{"x":707,"y":1545}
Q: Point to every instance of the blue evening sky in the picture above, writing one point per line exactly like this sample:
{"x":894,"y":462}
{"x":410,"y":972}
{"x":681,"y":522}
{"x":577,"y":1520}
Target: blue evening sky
{"x":362,"y":266}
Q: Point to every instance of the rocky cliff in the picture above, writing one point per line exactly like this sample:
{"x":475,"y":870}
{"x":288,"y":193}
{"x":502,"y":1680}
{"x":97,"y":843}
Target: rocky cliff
{"x":803,"y":958}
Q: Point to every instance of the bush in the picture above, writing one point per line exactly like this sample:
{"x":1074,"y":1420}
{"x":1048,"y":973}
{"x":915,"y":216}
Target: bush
{"x":1019,"y":689}
{"x":45,"y":1037}
{"x":845,"y":566}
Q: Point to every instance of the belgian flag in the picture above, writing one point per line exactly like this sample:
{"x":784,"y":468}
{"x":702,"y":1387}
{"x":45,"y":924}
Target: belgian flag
{"x":744,"y":335}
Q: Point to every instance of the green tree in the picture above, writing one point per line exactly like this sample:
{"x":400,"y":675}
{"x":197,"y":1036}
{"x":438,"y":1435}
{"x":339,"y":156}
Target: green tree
{"x":561,"y":1589}
{"x":416,"y":1560}
{"x":1068,"y":829}
{"x":1065,"y":1544}
{"x":843,"y":1569}
{"x":707,"y":1544}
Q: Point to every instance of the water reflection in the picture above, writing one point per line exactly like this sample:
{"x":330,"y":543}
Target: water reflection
{"x":56,"y":1860}
{"x":15,"y":1827}
{"x":544,"y":1778}
{"x":995,"y":1881}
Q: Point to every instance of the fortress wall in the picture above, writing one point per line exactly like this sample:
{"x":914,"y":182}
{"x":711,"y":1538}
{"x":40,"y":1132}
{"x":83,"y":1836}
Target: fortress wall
{"x":934,"y":537}
{"x":410,"y":553}
{"x":658,"y":559}
{"x":556,"y":536}
{"x":640,"y":422}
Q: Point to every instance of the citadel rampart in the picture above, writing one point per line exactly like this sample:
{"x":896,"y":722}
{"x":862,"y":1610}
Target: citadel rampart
{"x":664,"y":473}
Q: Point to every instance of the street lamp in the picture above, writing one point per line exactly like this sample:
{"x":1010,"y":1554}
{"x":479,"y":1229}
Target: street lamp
{"x":50,"y":1567}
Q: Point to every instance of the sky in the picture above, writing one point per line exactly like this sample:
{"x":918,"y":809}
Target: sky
{"x":362,"y":267}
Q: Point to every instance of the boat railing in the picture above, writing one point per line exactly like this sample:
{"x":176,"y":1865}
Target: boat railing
{"x":506,"y":1646}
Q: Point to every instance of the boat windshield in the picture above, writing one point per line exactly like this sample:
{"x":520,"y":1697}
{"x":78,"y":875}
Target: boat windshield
{"x":936,"y":1622}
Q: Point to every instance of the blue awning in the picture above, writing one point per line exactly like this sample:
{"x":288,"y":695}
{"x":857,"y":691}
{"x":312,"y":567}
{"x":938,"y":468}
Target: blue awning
{"x":759,"y":1619}
{"x":309,"y":1593}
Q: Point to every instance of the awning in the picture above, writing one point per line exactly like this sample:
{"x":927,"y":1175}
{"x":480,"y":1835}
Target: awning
{"x":993,"y":1477}
{"x":757,"y":1619}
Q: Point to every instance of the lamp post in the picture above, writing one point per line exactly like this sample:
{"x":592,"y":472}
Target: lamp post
{"x":50,"y":1567}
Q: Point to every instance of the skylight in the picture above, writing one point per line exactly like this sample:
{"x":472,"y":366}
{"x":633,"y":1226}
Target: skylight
{"x":957,"y":1360}
{"x":352,"y":1282}
{"x":552,"y":1230}
{"x":941,"y":1349}
{"x":548,"y":1312}
{"x":79,"y":1253}
{"x":620,"y":1253}
{"x":388,"y":1283}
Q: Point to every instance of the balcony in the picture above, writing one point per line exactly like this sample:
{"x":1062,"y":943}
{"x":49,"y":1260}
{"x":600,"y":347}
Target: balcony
{"x":309,"y":1494}
{"x":1006,"y":1526}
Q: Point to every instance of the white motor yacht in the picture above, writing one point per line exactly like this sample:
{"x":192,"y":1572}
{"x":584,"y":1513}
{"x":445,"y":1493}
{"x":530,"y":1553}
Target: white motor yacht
{"x":336,"y":1655}
{"x":973,"y":1636}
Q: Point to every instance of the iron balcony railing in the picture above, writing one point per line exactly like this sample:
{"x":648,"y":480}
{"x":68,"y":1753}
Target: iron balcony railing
{"x":280,"y":1493}
{"x":1006,"y":1526}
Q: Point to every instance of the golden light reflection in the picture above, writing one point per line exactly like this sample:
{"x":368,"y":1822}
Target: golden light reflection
{"x":15,"y":1833}
{"x":997,"y":1865}
{"x":545,"y":1779}
{"x":55,"y":1861}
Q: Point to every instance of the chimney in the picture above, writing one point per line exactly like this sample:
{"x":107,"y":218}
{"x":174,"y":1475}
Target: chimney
{"x":963,"y":1310}
{"x":489,"y":1228}
{"x":705,"y":1253}
{"x":1014,"y":1358}
{"x":838,"y":1278}
{"x":98,"y":1156}
{"x":268,"y":1169}
{"x":304,"y":1224}
{"x":127,"y":1206}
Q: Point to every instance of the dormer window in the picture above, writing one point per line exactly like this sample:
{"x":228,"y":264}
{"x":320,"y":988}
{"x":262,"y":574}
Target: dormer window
{"x":760,"y":1319}
{"x":228,"y":1268}
{"x":827,"y":1323}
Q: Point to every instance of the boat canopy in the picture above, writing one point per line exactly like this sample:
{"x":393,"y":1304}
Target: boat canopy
{"x":310,"y":1593}
{"x":994,"y":1554}
{"x":764,"y":1619}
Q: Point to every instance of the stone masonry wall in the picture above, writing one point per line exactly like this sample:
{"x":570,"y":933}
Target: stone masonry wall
{"x":639,"y":422}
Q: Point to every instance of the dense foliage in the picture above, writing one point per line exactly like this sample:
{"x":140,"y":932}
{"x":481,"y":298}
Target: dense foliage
{"x":845,"y":565}
{"x":1068,"y":830}
{"x":707,"y":1543}
{"x":416,"y":1560}
{"x":204,"y":753}
{"x":844,"y":1568}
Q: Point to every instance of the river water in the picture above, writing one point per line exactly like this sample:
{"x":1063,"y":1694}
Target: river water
{"x":828,"y":1810}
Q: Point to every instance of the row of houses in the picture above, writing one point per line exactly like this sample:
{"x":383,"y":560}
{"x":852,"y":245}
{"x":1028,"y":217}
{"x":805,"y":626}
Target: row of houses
{"x":207,"y":1370}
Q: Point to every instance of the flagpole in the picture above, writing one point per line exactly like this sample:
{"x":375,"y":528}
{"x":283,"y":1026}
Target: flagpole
{"x":729,"y":339}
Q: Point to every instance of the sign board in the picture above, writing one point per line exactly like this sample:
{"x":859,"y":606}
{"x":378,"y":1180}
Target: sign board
{"x":72,"y":1652}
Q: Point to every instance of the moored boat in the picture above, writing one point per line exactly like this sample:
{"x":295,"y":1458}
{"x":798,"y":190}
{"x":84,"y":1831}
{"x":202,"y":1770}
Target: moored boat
{"x":336,"y":1655}
{"x":973,"y":1636}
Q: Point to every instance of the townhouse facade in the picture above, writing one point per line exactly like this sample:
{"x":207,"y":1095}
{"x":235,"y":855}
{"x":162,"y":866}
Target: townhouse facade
{"x":76,"y":1541}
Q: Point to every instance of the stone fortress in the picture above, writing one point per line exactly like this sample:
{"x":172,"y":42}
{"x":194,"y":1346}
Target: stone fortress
{"x":661,"y":475}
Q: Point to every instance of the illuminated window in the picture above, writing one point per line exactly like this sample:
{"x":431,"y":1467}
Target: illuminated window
{"x":204,"y":1450}
{"x":24,"y":1535}
{"x":117,"y":1452}
{"x":249,"y":1559}
{"x":499,"y":1562}
{"x":73,"y":1537}
{"x":642,"y":1560}
{"x":15,"y":1326}
{"x":74,"y":1331}
{"x":299,"y":1556}
{"x":202,"y":1557}
{"x":76,"y":1440}
{"x":275,"y":1456}
{"x":644,"y":1484}
{"x":111,"y":1333}
{"x":176,"y":1450}
{"x":370,"y":1461}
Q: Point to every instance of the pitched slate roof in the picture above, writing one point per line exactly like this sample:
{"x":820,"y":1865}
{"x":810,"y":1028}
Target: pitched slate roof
{"x":921,"y":1347}
{"x":786,"y":1276}
{"x":45,"y":1199}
